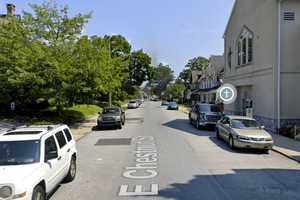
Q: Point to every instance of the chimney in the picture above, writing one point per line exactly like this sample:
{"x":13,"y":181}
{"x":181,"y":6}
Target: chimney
{"x":11,"y":9}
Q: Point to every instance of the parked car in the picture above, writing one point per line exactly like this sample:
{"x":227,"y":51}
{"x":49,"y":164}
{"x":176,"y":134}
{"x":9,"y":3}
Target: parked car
{"x":243,"y":132}
{"x":204,"y":114}
{"x":111,"y":116}
{"x":164,"y":103}
{"x":139,"y":102}
{"x":172,"y":105}
{"x":133,"y":104}
{"x":34,"y":160}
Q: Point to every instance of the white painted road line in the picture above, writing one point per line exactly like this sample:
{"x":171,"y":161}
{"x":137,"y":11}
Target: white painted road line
{"x":138,"y":191}
{"x":145,"y":167}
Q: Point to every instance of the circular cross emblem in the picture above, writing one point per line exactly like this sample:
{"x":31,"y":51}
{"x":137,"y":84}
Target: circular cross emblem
{"x":227,"y":93}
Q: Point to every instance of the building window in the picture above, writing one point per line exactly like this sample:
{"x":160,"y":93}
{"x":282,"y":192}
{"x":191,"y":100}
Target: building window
{"x":245,"y":47}
{"x":229,"y":57}
{"x":239,"y":53}
{"x":250,"y":50}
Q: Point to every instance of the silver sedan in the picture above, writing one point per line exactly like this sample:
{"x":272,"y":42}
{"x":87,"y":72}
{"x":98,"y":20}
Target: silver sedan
{"x":243,"y":132}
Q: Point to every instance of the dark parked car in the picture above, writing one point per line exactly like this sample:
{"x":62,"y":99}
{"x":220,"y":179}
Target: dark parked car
{"x":113,"y":116}
{"x":172,"y":106}
{"x":204,"y":114}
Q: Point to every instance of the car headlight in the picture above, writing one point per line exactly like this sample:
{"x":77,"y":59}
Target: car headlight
{"x":5,"y":192}
{"x":100,"y":118}
{"x":117,"y":117}
{"x":240,"y":137}
{"x":268,"y":139}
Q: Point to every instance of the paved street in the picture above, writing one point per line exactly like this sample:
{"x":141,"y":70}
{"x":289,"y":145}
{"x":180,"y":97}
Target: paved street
{"x":183,"y":162}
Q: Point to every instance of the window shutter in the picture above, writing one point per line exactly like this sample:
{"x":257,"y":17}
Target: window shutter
{"x":289,"y":16}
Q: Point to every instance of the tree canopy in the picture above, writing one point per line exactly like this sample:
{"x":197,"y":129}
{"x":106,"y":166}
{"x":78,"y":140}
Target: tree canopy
{"x":45,"y":57}
{"x":162,"y":76}
{"x":198,"y":63}
{"x":140,"y":68}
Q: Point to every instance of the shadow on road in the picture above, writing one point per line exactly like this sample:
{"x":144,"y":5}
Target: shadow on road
{"x":186,"y":128}
{"x":183,"y":125}
{"x":106,"y":128}
{"x":241,"y":184}
{"x":223,"y":145}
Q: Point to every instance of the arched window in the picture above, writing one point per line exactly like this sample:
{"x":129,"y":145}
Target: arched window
{"x":245,"y":47}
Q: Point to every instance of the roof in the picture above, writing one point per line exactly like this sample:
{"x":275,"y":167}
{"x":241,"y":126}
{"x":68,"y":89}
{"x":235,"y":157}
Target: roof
{"x":231,"y":14}
{"x":239,"y":117}
{"x":195,"y":76}
{"x":213,"y":89}
{"x":29,"y":132}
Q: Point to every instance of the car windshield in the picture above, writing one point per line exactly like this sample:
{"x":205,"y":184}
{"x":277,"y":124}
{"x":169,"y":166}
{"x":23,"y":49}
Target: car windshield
{"x":132,"y":101}
{"x":173,"y":103}
{"x":209,"y":108}
{"x":111,"y":110}
{"x":19,"y":152}
{"x":244,"y":124}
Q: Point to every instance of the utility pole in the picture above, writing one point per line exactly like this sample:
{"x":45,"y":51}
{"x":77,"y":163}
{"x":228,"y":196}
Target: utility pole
{"x":110,"y":57}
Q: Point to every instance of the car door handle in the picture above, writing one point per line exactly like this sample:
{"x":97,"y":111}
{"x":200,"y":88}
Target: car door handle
{"x":69,"y":150}
{"x":59,"y":158}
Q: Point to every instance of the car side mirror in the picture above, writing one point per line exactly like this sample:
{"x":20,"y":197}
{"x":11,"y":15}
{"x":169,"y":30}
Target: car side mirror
{"x":99,"y":113}
{"x":51,"y":155}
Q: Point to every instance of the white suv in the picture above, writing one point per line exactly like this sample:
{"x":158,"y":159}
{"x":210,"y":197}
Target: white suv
{"x":34,"y":160}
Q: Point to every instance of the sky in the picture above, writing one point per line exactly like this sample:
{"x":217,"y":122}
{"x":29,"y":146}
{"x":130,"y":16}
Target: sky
{"x":171,"y":31}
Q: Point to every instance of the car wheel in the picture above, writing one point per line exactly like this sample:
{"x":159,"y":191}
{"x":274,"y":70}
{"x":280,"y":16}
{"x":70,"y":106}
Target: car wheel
{"x":38,"y":193}
{"x":231,"y":142}
{"x":120,"y":125}
{"x":72,"y":171}
{"x":218,"y":134}
{"x":197,"y":124}
{"x":266,"y":151}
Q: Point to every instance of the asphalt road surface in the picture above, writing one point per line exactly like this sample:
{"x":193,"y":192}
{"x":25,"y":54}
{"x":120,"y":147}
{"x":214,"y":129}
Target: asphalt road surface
{"x":158,"y":155}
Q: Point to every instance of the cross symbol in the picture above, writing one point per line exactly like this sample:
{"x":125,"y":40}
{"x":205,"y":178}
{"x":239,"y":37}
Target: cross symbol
{"x":227,"y":93}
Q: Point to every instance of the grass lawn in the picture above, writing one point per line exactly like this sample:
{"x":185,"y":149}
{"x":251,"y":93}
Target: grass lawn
{"x":86,"y":110}
{"x":69,"y":116}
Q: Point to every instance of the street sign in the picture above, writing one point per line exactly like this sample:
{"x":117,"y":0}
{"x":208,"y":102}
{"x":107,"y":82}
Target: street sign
{"x":227,"y":93}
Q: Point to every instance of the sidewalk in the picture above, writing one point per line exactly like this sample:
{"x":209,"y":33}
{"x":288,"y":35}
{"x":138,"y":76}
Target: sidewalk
{"x":287,"y":147}
{"x":79,"y":130}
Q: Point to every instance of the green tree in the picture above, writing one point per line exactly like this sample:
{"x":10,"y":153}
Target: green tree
{"x":54,"y":27}
{"x":163,"y":75}
{"x":175,"y":91}
{"x":198,"y":63}
{"x":139,"y":68}
{"x":21,"y":64}
{"x":117,"y":73}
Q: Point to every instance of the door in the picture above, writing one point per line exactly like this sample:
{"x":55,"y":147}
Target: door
{"x":224,"y":128}
{"x":195,"y":113}
{"x":51,"y":163}
{"x":63,"y":155}
{"x":192,"y":113}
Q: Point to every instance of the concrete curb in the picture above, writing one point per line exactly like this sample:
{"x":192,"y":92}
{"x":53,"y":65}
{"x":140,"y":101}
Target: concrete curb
{"x":84,"y":128}
{"x":285,"y":155}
